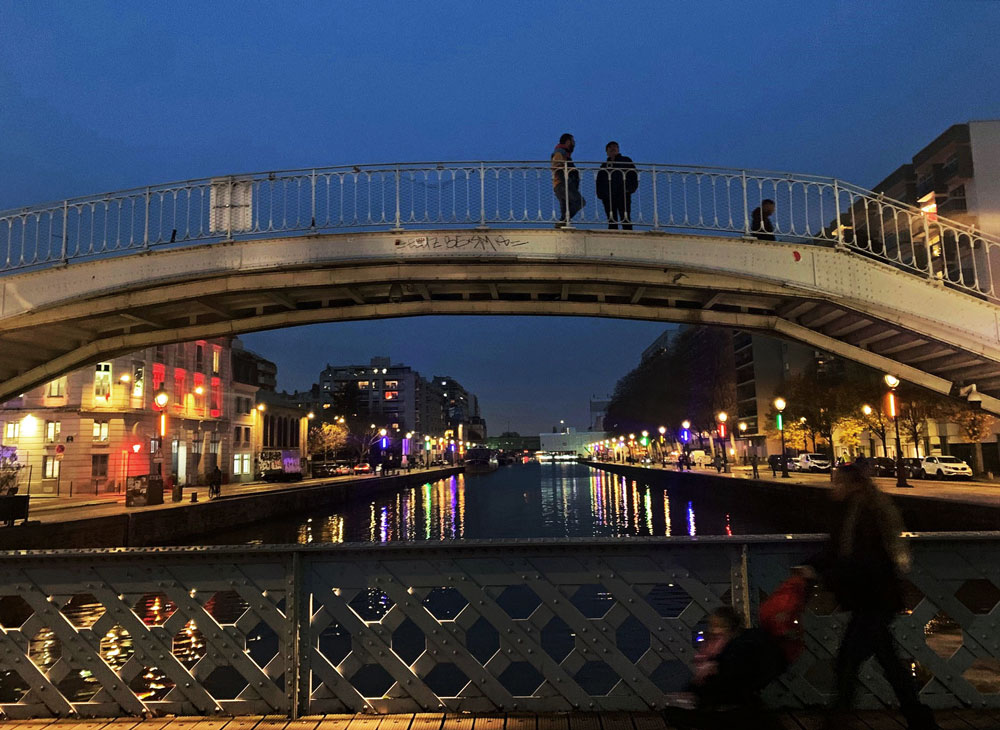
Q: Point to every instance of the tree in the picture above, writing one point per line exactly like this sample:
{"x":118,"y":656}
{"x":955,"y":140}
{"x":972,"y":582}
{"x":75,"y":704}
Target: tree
{"x":918,"y":406}
{"x":849,"y":430}
{"x":977,"y":426}
{"x":327,"y":437}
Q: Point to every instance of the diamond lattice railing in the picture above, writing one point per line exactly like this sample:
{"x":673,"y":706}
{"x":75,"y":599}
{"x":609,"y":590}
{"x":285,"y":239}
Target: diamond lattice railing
{"x":479,"y":626}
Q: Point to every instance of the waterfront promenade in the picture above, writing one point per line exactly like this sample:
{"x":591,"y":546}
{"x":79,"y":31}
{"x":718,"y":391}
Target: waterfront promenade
{"x":982,"y":493}
{"x":105,"y":521}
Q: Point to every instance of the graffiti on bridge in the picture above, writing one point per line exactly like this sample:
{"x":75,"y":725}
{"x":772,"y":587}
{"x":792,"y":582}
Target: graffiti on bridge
{"x":474,"y":242}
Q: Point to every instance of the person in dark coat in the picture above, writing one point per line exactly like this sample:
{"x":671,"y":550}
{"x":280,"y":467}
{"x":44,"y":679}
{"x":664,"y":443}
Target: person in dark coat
{"x":754,"y":461}
{"x":617,"y":180}
{"x":862,"y":564}
{"x":760,"y":221}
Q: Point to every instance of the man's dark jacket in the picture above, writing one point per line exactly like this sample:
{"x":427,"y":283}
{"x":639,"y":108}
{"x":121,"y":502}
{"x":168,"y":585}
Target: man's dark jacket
{"x":617,"y":178}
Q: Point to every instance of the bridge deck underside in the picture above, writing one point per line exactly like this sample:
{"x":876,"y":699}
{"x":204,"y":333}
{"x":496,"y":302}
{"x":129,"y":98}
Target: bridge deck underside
{"x":177,"y":312}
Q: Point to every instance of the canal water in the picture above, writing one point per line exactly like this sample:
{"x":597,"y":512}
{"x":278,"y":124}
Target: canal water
{"x":519,"y":501}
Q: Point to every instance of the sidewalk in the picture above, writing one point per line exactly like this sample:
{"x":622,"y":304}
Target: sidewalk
{"x":65,"y":509}
{"x":981,"y":493}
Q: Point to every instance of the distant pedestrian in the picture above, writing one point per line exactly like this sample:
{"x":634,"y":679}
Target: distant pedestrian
{"x":566,"y":180}
{"x":718,"y":462}
{"x":773,"y":462}
{"x":760,"y":221}
{"x":617,"y":180}
{"x":862,"y":564}
{"x":753,"y":465}
{"x":215,"y":483}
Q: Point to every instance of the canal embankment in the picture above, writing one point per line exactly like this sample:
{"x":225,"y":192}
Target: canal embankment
{"x":922,"y":512}
{"x":175,"y":523}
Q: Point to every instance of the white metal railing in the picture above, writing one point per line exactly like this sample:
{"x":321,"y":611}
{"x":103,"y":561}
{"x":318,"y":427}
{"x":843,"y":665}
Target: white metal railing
{"x":480,"y":626}
{"x":809,"y":209}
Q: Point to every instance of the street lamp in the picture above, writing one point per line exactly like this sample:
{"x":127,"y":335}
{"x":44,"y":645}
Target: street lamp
{"x":803,"y":422}
{"x":161,"y":398}
{"x":722,"y":417}
{"x":779,"y":406}
{"x":892,"y":381}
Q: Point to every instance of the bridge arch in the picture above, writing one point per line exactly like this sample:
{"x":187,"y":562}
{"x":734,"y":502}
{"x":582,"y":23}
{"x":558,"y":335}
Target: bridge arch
{"x":856,"y":287}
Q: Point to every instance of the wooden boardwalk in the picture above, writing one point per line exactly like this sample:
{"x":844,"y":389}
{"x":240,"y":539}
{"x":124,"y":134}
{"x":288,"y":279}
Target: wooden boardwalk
{"x":787,"y":720}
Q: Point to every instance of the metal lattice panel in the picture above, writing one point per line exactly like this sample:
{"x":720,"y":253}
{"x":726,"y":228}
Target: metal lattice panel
{"x":534,"y":625}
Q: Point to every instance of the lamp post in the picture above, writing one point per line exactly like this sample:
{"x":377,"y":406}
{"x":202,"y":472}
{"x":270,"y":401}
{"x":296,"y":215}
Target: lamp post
{"x":746,"y":445}
{"x":893,"y":382}
{"x":663,"y":459}
{"x":805,"y":446}
{"x":722,"y":417}
{"x":779,"y":406}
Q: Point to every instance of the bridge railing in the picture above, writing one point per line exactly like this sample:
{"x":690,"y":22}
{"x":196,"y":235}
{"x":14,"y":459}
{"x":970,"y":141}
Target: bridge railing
{"x":536,"y":625}
{"x":716,"y":201}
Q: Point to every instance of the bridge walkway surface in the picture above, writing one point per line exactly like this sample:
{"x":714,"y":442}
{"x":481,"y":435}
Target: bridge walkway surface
{"x":669,"y":720}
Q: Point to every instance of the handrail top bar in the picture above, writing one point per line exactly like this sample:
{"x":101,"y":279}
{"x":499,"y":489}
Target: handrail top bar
{"x":108,"y":196}
{"x":473,"y":546}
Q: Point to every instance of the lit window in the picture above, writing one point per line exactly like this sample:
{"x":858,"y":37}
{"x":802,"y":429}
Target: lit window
{"x":180,"y":386}
{"x":138,"y":380}
{"x":159,"y":375}
{"x":99,"y":466}
{"x":199,"y":391}
{"x":100,"y":430}
{"x":213,"y":444}
{"x":50,"y":467}
{"x":57,"y":388}
{"x":216,"y":360}
{"x":237,"y":464}
{"x":246,"y":463}
{"x":52,"y":429}
{"x":216,"y":397}
{"x":12,"y":430}
{"x":102,"y":381}
{"x":392,"y":395}
{"x":391,"y":384}
{"x":362,"y":384}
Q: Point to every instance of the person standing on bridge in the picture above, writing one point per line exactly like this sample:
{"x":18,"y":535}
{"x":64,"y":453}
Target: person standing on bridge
{"x":616,"y":181}
{"x":566,"y":180}
{"x":760,"y":221}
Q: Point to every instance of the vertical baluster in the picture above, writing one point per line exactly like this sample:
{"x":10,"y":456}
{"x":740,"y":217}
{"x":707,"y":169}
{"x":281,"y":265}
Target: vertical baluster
{"x":746,"y":205}
{"x":840,"y":227}
{"x":482,"y":195}
{"x":398,"y":225}
{"x":656,"y":203}
{"x":65,"y":234}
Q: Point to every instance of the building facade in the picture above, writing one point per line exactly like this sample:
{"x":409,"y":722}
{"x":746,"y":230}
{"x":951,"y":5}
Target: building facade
{"x":88,"y":431}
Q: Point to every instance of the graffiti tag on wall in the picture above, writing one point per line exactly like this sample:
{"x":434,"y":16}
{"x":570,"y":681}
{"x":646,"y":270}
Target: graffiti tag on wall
{"x":460,"y":241}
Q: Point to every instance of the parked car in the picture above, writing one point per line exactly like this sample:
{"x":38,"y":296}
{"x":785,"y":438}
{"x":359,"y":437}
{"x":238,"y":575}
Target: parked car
{"x":911,"y":467}
{"x":883,"y":467}
{"x":362,"y":468}
{"x":812,"y":462}
{"x":944,"y":467}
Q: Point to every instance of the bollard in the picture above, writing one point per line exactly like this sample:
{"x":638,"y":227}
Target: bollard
{"x":194,"y":497}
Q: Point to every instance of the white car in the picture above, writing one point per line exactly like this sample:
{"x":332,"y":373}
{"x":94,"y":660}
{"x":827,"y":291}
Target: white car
{"x":812,"y":462}
{"x":944,"y":467}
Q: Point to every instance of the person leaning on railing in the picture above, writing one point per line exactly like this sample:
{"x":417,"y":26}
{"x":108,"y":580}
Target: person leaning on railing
{"x":760,"y":221}
{"x":566,"y":180}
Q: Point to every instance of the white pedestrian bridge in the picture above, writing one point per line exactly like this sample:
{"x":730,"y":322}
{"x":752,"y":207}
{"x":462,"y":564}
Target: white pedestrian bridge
{"x":850,"y":272}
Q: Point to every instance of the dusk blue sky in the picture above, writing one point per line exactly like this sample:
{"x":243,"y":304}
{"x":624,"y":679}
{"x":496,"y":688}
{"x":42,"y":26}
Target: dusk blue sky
{"x":100,"y":96}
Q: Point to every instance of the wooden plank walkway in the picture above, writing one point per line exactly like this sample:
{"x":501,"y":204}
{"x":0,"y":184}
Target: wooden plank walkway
{"x":988,"y":719}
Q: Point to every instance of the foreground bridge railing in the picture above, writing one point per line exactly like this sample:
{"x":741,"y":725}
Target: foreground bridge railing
{"x":479,"y":626}
{"x":714,"y":201}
